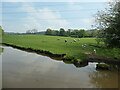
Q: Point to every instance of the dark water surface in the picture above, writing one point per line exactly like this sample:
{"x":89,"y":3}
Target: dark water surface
{"x":21,"y":69}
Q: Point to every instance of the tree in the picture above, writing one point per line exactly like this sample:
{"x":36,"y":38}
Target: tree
{"x":62,"y":32}
{"x":49,"y":32}
{"x":81,"y":33}
{"x":69,"y":32}
{"x":108,"y":23}
{"x":56,"y":33}
{"x":33,"y":31}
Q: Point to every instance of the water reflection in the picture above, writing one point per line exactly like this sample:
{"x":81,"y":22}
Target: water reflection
{"x":59,"y":58}
{"x":103,"y":79}
{"x":30,"y":70}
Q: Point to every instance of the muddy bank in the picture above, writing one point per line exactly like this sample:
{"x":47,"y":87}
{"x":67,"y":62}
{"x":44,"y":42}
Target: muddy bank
{"x":47,"y":53}
{"x":89,"y":57}
{"x":96,"y":58}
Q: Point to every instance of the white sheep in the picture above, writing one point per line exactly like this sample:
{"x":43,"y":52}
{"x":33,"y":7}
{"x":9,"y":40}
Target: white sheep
{"x":74,"y":40}
{"x":94,"y":51}
{"x":83,"y":46}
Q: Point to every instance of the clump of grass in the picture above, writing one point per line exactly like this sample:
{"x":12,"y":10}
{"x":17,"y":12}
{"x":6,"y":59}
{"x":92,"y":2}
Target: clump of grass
{"x":103,"y":66}
{"x":79,"y":60}
{"x":70,"y":57}
{"x":110,"y":67}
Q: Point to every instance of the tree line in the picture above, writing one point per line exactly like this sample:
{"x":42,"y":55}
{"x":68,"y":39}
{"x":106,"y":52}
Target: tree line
{"x":72,"y":33}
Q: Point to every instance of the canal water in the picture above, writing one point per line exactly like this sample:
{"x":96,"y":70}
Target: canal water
{"x":22,"y":69}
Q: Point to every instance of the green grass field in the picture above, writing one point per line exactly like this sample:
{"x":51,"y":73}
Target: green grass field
{"x":50,"y":43}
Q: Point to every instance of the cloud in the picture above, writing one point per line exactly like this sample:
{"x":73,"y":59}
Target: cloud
{"x":42,"y":18}
{"x":87,"y":20}
{"x":30,"y":16}
{"x":74,"y":6}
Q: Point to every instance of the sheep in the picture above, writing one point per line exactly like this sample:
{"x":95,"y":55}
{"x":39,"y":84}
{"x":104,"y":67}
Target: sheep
{"x":65,"y":40}
{"x":94,"y":51}
{"x":58,"y":39}
{"x":83,"y":46}
{"x":74,"y":40}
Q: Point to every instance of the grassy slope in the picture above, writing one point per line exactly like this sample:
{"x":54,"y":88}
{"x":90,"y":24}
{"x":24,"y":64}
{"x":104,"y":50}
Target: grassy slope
{"x":50,"y":43}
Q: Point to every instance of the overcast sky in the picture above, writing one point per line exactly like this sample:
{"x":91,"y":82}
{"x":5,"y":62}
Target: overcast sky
{"x":22,"y":16}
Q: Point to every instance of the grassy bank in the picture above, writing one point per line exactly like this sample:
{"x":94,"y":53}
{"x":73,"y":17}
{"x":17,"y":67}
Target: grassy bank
{"x":73,"y":50}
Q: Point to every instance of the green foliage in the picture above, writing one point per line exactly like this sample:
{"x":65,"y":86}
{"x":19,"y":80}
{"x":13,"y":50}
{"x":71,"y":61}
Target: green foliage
{"x":108,"y":22}
{"x":81,"y":33}
{"x":62,"y":32}
{"x":69,"y":57}
{"x":49,"y":32}
{"x":103,"y":66}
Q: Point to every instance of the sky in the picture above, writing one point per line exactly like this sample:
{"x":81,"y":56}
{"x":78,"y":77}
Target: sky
{"x":22,"y":16}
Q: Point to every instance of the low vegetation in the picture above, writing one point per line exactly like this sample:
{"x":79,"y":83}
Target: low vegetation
{"x":103,"y":66}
